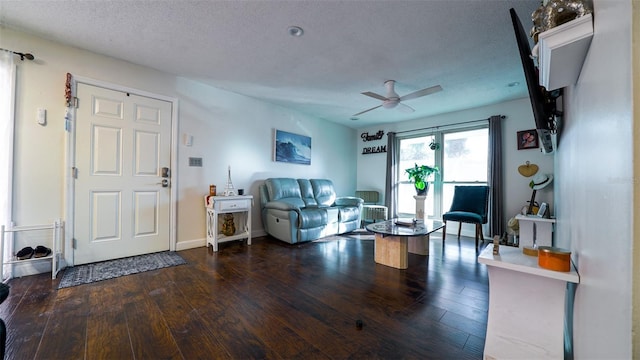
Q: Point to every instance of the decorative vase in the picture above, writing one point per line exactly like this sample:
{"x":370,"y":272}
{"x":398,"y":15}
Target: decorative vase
{"x":423,"y":192}
{"x":228,"y":227}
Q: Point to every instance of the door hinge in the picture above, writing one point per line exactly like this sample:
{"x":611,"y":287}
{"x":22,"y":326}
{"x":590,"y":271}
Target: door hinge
{"x":74,"y":243}
{"x":74,"y":172}
{"x":76,"y":102}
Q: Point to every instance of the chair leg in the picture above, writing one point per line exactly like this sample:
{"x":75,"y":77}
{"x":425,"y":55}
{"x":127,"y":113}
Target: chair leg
{"x":444,"y":231}
{"x":479,"y":234}
{"x":459,"y":228}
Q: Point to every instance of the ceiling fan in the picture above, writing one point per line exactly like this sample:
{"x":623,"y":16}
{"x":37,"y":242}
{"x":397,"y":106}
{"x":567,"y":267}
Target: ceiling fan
{"x":393,"y":100}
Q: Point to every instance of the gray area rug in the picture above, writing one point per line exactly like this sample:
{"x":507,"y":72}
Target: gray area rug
{"x":85,"y":274}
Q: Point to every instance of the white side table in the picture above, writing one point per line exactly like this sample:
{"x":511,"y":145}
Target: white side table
{"x":526,"y":306}
{"x":239,"y":206}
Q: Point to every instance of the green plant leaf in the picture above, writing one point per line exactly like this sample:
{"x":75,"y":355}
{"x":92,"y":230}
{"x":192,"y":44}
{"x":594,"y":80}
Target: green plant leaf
{"x":420,"y":173}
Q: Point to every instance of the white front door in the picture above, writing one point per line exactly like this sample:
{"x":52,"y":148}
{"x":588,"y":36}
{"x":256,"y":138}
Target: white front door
{"x":121,"y":207}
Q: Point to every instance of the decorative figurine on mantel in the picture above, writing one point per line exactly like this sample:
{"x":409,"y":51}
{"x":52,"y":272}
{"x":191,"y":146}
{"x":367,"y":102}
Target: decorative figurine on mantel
{"x":228,"y":189}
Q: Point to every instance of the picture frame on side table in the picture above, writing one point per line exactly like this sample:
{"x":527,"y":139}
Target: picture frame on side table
{"x":291,"y":148}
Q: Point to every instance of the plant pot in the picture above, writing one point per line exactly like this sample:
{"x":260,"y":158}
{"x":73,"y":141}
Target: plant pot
{"x":422,"y":192}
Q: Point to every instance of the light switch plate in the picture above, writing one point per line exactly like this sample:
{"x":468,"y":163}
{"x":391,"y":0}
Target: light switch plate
{"x":187,"y":139}
{"x":41,"y":116}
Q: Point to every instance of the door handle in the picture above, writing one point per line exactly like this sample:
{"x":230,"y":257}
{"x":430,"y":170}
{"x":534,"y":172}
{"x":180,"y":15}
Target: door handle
{"x":164,"y":183}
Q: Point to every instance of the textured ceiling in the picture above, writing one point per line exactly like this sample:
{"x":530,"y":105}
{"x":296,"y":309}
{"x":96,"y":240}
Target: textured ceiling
{"x":348,"y":47}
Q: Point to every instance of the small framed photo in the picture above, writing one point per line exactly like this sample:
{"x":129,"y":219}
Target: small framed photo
{"x":527,"y":139}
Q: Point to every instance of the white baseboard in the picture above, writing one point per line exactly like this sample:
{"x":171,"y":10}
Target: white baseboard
{"x":39,"y":267}
{"x":31,"y":268}
{"x":196,"y":243}
{"x":258,"y":233}
{"x":191,"y":244}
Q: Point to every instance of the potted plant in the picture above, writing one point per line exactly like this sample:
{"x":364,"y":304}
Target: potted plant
{"x":419,"y":175}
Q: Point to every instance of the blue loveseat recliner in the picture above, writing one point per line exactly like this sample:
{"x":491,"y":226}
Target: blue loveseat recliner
{"x":299,"y":210}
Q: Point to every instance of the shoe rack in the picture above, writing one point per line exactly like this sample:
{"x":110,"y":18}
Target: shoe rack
{"x":7,"y":234}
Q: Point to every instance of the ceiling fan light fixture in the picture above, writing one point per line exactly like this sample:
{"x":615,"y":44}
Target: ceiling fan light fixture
{"x":389,"y":104}
{"x":295,"y":31}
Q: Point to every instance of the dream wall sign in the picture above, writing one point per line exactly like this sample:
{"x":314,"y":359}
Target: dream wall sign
{"x":373,"y":149}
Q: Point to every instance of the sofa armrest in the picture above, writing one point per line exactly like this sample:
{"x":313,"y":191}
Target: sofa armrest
{"x":349,"y":201}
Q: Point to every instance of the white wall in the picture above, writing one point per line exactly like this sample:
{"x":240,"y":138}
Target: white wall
{"x":594,"y":187}
{"x":228,"y":129}
{"x":519,"y":116}
{"x":237,"y":131}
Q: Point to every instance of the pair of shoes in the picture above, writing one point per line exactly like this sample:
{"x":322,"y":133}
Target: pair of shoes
{"x":41,"y":251}
{"x":25,"y":253}
{"x":29,"y":252}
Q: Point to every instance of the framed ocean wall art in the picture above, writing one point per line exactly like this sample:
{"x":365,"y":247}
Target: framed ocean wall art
{"x":291,"y":148}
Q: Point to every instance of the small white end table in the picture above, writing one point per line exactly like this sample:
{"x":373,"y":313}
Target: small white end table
{"x":239,"y":206}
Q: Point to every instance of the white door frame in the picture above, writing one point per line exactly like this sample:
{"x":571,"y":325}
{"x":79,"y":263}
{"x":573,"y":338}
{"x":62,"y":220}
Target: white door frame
{"x":70,"y":163}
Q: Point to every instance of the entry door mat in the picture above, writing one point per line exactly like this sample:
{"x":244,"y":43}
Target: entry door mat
{"x":89,"y":273}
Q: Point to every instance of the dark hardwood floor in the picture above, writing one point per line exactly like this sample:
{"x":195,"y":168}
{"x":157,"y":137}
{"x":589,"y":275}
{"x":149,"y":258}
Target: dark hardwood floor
{"x":267,"y":300}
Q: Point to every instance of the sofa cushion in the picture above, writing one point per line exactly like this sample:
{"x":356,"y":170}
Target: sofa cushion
{"x":284,"y":189}
{"x":463,"y":216}
{"x":323,"y":191}
{"x":333,"y":214}
{"x":306,"y":192}
{"x":349,"y":213}
{"x":312,"y":218}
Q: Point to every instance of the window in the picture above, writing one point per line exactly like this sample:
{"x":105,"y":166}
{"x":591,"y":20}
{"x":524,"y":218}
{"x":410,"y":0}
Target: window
{"x":462,"y":157}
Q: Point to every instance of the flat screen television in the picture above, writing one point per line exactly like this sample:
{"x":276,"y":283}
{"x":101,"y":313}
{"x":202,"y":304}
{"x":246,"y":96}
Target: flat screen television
{"x":542,"y":102}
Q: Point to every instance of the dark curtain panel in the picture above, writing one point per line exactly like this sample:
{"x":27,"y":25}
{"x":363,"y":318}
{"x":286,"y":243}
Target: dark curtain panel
{"x":496,"y":213}
{"x":390,"y":195}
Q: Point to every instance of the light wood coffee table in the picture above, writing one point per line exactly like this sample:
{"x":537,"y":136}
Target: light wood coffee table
{"x":394,"y":242}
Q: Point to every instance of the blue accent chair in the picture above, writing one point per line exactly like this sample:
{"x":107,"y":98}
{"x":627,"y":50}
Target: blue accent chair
{"x":470,"y":205}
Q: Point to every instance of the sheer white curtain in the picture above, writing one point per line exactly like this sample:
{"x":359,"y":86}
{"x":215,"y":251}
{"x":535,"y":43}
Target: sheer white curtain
{"x":7,"y":93}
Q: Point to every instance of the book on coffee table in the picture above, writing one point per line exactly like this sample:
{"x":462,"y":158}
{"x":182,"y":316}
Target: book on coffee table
{"x":406,"y":222}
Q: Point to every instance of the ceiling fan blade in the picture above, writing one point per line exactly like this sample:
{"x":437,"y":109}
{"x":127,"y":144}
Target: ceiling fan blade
{"x":374,"y":95}
{"x":421,"y":93}
{"x":362,"y":112}
{"x":405,"y":108}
